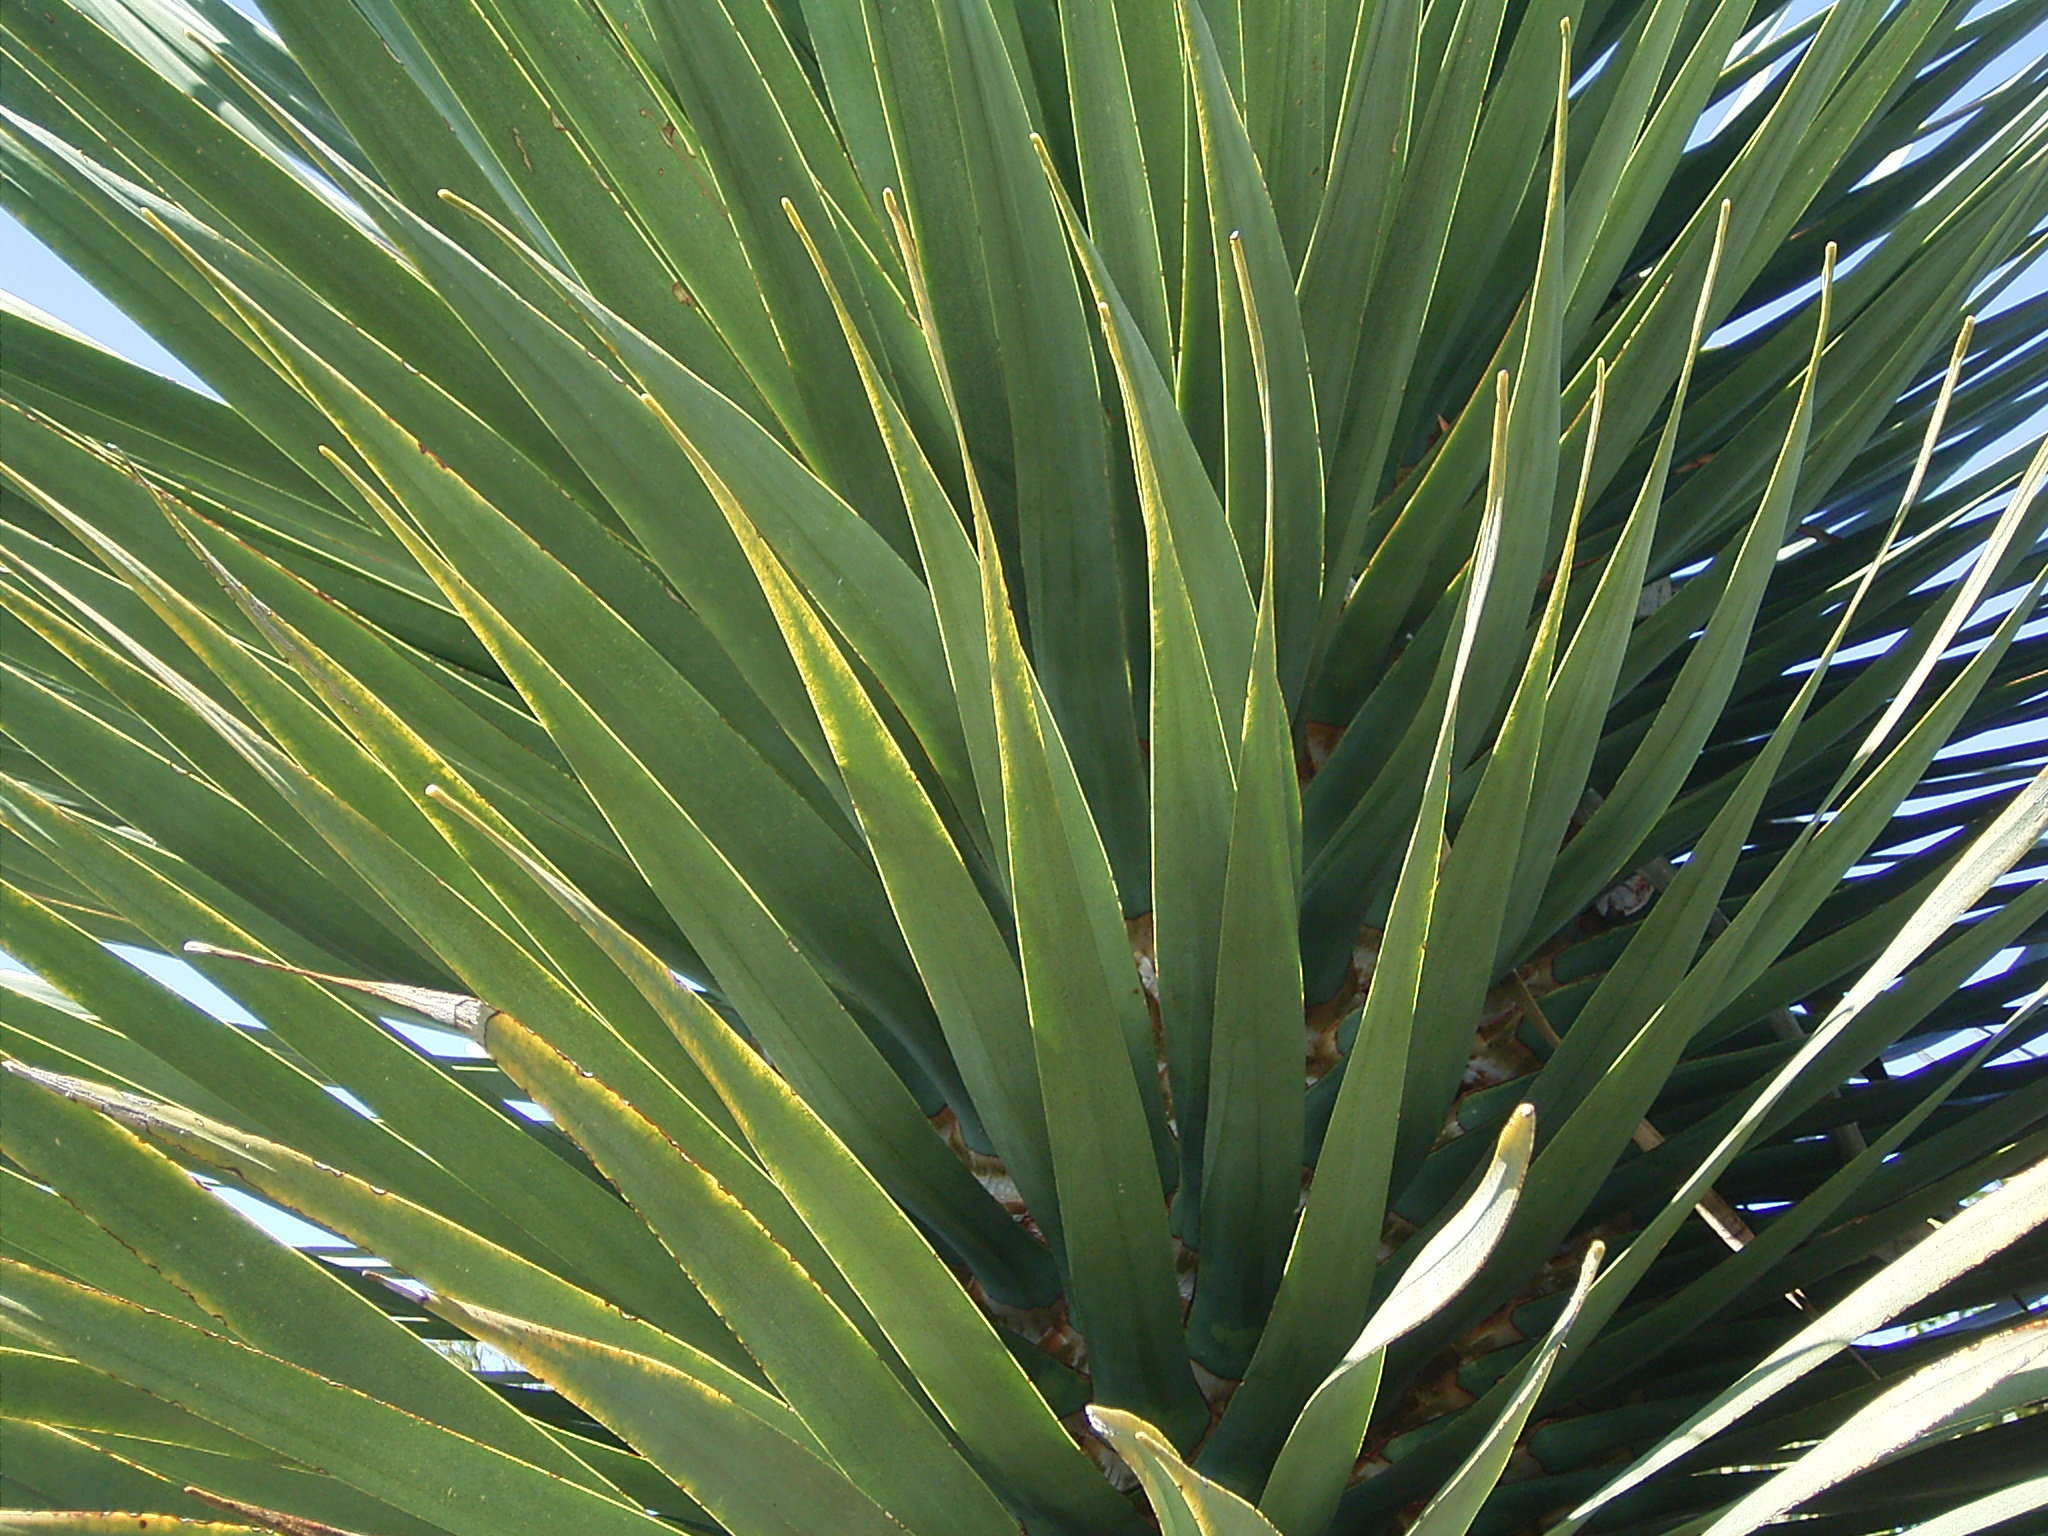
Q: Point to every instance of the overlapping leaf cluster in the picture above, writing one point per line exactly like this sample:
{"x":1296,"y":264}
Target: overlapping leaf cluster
{"x":972,"y":764}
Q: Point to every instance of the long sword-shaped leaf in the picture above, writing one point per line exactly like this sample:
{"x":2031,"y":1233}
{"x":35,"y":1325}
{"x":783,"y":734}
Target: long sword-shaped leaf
{"x":773,"y":980}
{"x":1465,"y":925}
{"x":950,"y":572}
{"x":753,"y":1478}
{"x":1251,"y":1172}
{"x":1273,"y":457}
{"x":1367,"y":154}
{"x":404,"y":718}
{"x":1336,"y":1242}
{"x":499,"y":561}
{"x":1200,"y":644}
{"x":258,"y":1289}
{"x":644,"y":479}
{"x":257,"y":192}
{"x":1104,"y":50}
{"x":548,"y":1211}
{"x":1363,"y":427}
{"x":442,"y":492}
{"x":1081,"y":986}
{"x":453,"y":1482}
{"x":973,"y":978}
{"x":1174,"y":488}
{"x":1584,"y":684}
{"x":1889,"y":1424}
{"x":1979,"y":1231}
{"x":1186,"y":1503}
{"x":1309,"y":1477}
{"x":61,"y":1393}
{"x":409,"y":866}
{"x":44,"y":1230}
{"x":865,"y":1419}
{"x":1659,"y":766}
{"x":565,"y":79}
{"x":35,"y":1522}
{"x":973,"y":1381}
{"x":1678,"y":1316}
{"x":1989,"y":855}
{"x":1457,"y":1503}
{"x":1070,"y":562}
{"x":1989,"y":1512}
{"x":45,"y":1028}
{"x":448,"y":1259}
{"x":1790,"y":893}
{"x":871,"y":595}
{"x":268,"y":1090}
{"x":748,"y":142}
{"x":1530,"y":527}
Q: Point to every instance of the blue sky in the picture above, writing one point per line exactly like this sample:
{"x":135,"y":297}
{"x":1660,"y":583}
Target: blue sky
{"x":35,"y":274}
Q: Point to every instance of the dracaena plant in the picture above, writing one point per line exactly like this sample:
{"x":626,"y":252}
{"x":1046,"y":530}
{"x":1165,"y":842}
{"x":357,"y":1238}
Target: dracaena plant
{"x":981,"y":766}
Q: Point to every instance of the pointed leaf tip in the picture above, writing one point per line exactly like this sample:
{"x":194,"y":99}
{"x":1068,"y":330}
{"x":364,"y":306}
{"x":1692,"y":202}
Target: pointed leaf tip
{"x":1186,"y":1502}
{"x":453,"y":1010}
